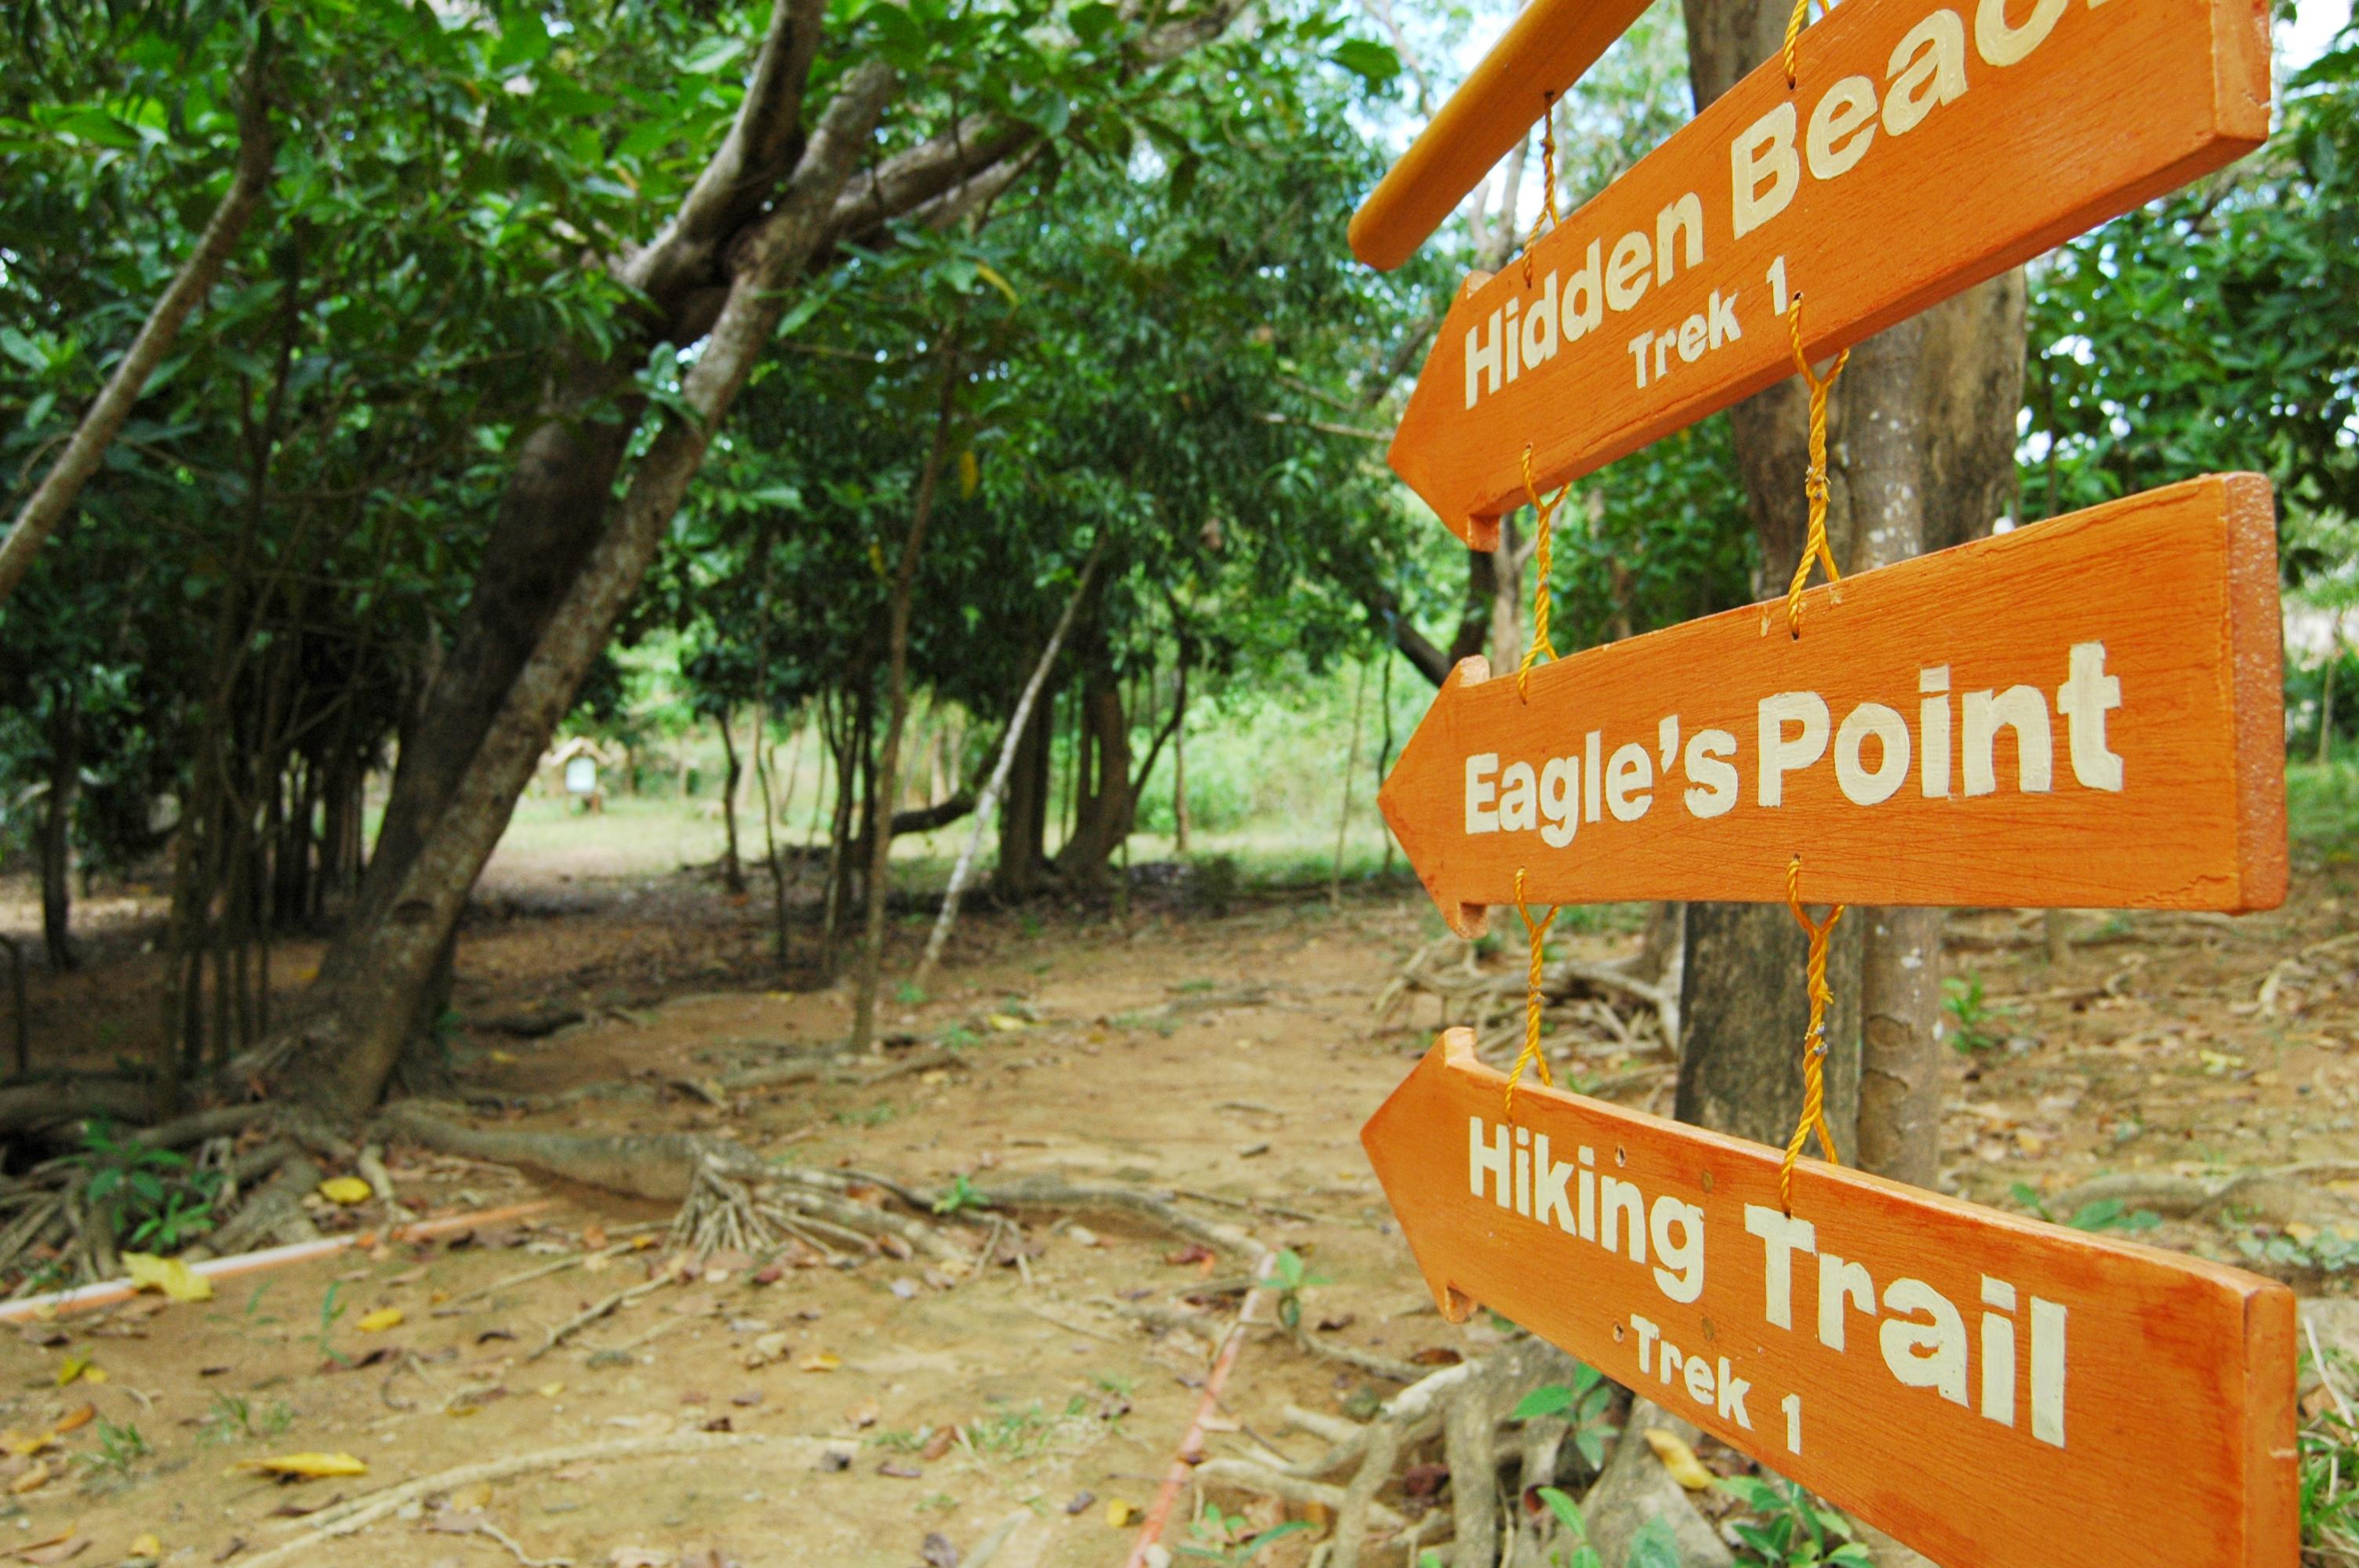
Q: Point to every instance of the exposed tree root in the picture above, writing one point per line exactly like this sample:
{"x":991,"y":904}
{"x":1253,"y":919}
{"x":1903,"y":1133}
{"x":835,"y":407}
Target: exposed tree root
{"x":649,"y":1166}
{"x":1582,"y":994}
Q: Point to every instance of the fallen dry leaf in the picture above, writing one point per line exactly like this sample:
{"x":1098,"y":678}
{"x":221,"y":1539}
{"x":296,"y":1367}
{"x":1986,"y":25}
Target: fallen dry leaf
{"x":1119,"y":1513}
{"x":1679,"y":1459}
{"x":74,"y":1419}
{"x":22,"y":1444}
{"x":305,"y":1466}
{"x":32,"y":1480}
{"x":940,"y":1442}
{"x":865,"y":1413}
{"x":380,"y":1320}
{"x":346,"y":1190}
{"x":148,"y":1545}
{"x":821,"y":1361}
{"x":766,"y":1350}
{"x":56,"y":1549}
{"x":169,"y":1275}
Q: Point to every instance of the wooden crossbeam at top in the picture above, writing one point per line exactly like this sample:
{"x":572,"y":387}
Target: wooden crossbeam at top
{"x":1541,"y":54}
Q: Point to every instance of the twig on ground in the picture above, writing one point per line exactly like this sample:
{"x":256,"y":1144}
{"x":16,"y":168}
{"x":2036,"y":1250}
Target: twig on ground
{"x":592,"y":1312}
{"x":345,"y":1518}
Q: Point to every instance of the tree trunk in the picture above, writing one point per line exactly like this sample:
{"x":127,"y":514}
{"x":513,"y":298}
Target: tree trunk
{"x":1024,"y":825}
{"x":732,"y":869}
{"x":1901,"y":956}
{"x":1741,"y":1062}
{"x":1020,"y":724}
{"x":896,"y":689}
{"x":1104,"y":808}
{"x":53,"y":499}
{"x":348,"y":1050}
{"x":2326,"y":700}
{"x":56,"y":833}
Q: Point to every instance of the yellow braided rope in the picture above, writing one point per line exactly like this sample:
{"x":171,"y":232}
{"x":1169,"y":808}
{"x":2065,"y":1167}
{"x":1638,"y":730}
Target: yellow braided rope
{"x":1794,"y":25}
{"x":1814,"y":485}
{"x":1815,"y":1041}
{"x":1537,"y":929}
{"x":1543,"y":574}
{"x":1548,"y":219}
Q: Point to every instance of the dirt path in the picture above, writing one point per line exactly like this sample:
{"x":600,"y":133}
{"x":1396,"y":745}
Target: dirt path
{"x":1233,"y":1057}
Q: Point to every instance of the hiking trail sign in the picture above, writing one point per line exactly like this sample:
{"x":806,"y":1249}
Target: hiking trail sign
{"x":1986,"y":1388}
{"x":2086,"y":712}
{"x":1926,"y":146}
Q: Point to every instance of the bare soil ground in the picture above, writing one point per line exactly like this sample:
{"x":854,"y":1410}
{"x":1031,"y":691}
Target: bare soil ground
{"x":1231,"y":1057}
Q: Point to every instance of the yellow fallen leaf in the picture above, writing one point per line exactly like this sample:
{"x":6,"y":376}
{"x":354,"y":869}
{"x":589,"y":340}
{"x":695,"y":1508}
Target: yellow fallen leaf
{"x":1005,"y":1022}
{"x":305,"y":1466}
{"x":32,"y":1480}
{"x":2304,"y":1234}
{"x":380,"y":1320}
{"x":169,"y":1275}
{"x":74,"y":1419}
{"x":148,"y":1545}
{"x":550,"y":1390}
{"x":503,"y":1057}
{"x":821,"y":1361}
{"x":22,"y":1444}
{"x":75,"y":1366}
{"x":94,"y":1375}
{"x":1679,"y":1459}
{"x":346,"y":1190}
{"x":1119,"y":1513}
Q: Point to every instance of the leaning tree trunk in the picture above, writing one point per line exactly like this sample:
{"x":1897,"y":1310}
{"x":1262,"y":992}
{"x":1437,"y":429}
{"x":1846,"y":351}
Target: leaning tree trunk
{"x":1103,"y":808}
{"x":566,"y":553}
{"x":349,"y":1048}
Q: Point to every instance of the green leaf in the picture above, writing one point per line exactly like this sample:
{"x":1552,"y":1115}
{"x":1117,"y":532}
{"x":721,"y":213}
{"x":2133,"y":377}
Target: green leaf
{"x":1373,"y":62}
{"x":1654,"y":1546}
{"x":1567,"y":1511}
{"x":1545,"y":1400}
{"x":712,"y":55}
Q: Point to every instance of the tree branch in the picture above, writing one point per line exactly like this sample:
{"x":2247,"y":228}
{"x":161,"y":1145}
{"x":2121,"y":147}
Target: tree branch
{"x":759,"y":151}
{"x":55,"y":496}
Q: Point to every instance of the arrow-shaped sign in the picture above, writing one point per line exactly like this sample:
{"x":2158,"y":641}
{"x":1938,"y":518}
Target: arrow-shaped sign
{"x":1988,"y":1388}
{"x":1925,"y":148}
{"x":2086,"y":712}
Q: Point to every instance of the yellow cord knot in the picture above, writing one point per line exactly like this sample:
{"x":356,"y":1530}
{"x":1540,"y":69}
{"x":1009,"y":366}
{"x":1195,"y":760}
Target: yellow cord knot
{"x":1815,"y":1041}
{"x":1543,"y":574}
{"x":1538,"y":930}
{"x":1814,"y":483}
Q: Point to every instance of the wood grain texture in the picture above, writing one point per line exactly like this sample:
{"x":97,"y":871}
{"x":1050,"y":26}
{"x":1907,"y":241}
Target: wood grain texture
{"x":1542,"y":53}
{"x":2113,"y":103}
{"x":2179,"y":589}
{"x":2170,"y":1368}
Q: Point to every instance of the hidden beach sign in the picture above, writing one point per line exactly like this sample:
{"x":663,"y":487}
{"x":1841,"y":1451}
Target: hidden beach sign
{"x":1924,"y":146}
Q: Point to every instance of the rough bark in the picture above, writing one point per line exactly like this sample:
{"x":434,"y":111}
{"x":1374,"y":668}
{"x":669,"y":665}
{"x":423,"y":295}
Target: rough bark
{"x":1900,"y":949}
{"x":350,"y":1047}
{"x":1746,"y":1005}
{"x":52,"y":499}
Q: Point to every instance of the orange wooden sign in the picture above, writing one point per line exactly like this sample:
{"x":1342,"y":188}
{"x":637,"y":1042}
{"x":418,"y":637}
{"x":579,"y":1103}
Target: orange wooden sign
{"x":1543,"y":52}
{"x":1926,"y":146}
{"x":1986,"y":1388}
{"x":2086,"y":712}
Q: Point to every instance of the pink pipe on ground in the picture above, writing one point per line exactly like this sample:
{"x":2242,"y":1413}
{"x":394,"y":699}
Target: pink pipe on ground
{"x":106,"y":1292}
{"x":1191,"y":1441}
